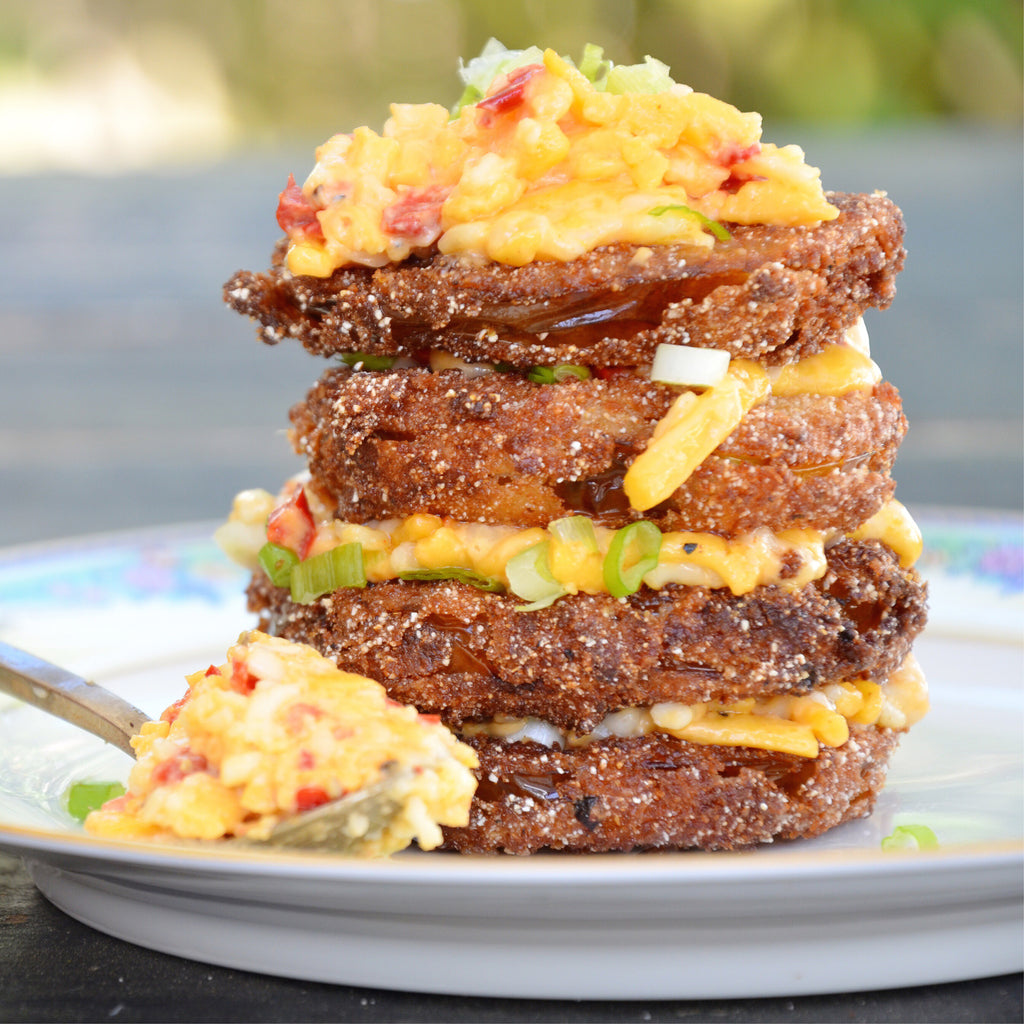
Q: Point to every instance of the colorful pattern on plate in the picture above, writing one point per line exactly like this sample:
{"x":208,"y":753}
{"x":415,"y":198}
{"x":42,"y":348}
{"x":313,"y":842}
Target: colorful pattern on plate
{"x":174,"y":563}
{"x":987,"y":548}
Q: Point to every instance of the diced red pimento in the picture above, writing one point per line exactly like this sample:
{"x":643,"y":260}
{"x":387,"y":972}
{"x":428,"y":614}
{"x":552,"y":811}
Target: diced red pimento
{"x":305,"y":760}
{"x":511,"y":94}
{"x":732,"y":153}
{"x":242,"y":680}
{"x":308,"y":797}
{"x":416,"y":217}
{"x":171,"y":713}
{"x":176,"y":768}
{"x":735,"y":182}
{"x":296,"y":214}
{"x":297,"y":715}
{"x":119,"y":804}
{"x":291,"y":525}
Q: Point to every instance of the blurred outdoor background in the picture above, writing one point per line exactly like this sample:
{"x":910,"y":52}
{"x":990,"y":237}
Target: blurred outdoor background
{"x":109,"y":85}
{"x":143,"y":144}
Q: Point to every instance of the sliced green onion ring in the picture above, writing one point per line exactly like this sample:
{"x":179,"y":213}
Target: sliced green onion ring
{"x":689,"y":366}
{"x":556,"y":374}
{"x":640,"y":544}
{"x":82,"y":797}
{"x":324,"y":573}
{"x":911,"y":837}
{"x":714,"y":226}
{"x":575,"y":530}
{"x":365,"y":361}
{"x":456,"y":572}
{"x":529,"y":577}
{"x":277,"y":562}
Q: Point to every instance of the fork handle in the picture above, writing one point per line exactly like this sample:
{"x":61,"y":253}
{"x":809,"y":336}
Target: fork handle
{"x":63,"y":694}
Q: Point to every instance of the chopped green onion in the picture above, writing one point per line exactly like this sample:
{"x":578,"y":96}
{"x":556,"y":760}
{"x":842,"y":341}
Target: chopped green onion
{"x":575,"y":530}
{"x":82,"y":797}
{"x":470,"y":95}
{"x":911,"y":837}
{"x":277,"y":562}
{"x":640,"y":541}
{"x":651,"y":76}
{"x":556,"y":374}
{"x":529,"y":577}
{"x":365,"y":361}
{"x":689,"y":366}
{"x":717,"y":229}
{"x":455,"y":572}
{"x":495,"y":59}
{"x":324,"y":573}
{"x":593,"y":66}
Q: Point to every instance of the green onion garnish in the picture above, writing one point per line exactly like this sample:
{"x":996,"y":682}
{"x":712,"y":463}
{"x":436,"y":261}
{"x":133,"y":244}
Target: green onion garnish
{"x":529,"y":577}
{"x":555,"y":374}
{"x":593,"y":66}
{"x":82,"y":797}
{"x":277,"y":562}
{"x":651,"y":76}
{"x":324,"y":573}
{"x":717,"y":229}
{"x":911,"y":837}
{"x":575,"y":530}
{"x":479,"y":73}
{"x":639,"y":543}
{"x":365,"y":361}
{"x":455,"y":572}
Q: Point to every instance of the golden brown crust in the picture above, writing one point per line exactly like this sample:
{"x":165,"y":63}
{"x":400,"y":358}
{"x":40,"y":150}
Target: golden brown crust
{"x":464,"y":654}
{"x":657,"y":792}
{"x":499,"y":449}
{"x":770,"y":293}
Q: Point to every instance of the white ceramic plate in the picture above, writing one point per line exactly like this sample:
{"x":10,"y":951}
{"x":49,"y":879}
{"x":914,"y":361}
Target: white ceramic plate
{"x":138,"y":611}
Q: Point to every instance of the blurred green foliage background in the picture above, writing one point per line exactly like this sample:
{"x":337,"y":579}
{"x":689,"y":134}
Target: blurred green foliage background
{"x":110,"y":84}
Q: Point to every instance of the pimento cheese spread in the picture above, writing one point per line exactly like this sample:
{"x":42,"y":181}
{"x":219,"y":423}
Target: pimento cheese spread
{"x":278,"y":730}
{"x":546,"y":166}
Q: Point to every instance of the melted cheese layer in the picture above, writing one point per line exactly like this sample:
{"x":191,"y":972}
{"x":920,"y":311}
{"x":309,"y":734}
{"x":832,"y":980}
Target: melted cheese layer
{"x":790,"y":724}
{"x":788,"y":559}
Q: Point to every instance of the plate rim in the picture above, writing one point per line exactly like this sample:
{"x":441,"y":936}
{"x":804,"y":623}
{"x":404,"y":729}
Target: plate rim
{"x":862,"y":885}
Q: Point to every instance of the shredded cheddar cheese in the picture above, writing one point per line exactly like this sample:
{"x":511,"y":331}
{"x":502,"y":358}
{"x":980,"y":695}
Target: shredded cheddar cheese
{"x":836,"y":370}
{"x":690,"y":431}
{"x":893,"y":520}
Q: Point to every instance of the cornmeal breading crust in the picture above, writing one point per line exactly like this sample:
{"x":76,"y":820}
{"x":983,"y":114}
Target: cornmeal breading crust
{"x":655,"y":791}
{"x":468,"y":655}
{"x":770,"y":293}
{"x":500,"y":449}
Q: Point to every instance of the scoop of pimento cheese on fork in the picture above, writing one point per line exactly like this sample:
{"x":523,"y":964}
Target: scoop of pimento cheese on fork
{"x":279,"y":730}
